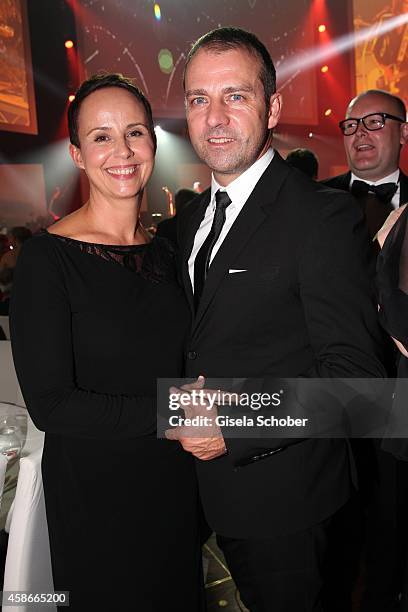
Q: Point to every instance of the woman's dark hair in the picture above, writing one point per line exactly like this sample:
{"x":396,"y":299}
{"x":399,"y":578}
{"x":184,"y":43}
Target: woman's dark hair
{"x":227,"y":39}
{"x":101,"y":81}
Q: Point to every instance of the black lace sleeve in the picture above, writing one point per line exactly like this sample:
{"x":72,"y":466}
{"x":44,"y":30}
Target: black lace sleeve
{"x":392,"y":281}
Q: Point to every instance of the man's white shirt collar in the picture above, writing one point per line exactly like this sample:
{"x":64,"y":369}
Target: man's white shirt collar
{"x":241,"y":188}
{"x":390,"y":178}
{"x":239,"y":192}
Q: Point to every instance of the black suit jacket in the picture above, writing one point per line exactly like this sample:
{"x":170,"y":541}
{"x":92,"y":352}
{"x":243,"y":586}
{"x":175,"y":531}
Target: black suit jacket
{"x":302,"y":308}
{"x":342,"y":181}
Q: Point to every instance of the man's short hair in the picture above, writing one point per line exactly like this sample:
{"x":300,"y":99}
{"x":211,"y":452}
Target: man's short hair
{"x":398,"y":102}
{"x":229,"y":38}
{"x":103,"y":80}
{"x":304,"y":160}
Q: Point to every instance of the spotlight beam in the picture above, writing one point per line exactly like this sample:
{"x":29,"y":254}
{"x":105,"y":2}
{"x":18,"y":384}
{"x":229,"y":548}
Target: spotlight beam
{"x":289,"y":80}
{"x":317,"y":55}
{"x":94,"y":54}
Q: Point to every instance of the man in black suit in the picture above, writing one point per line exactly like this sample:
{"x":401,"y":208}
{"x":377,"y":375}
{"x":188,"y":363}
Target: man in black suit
{"x":374,"y":130}
{"x":273,"y":265}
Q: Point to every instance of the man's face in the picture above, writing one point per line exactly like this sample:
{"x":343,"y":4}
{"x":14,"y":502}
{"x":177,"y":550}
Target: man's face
{"x":372,"y":155}
{"x":227,"y":117}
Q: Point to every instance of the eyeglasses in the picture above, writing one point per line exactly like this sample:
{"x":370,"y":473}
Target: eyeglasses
{"x":375,"y":121}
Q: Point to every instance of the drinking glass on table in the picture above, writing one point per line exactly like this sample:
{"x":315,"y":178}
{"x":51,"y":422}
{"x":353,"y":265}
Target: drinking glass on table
{"x":10,"y":443}
{"x":15,"y":417}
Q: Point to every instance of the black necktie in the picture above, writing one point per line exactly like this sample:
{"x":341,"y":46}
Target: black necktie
{"x":383,"y":192}
{"x":202,"y":260}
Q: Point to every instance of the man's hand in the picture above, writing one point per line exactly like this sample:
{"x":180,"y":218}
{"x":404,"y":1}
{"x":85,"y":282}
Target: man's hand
{"x":202,"y":448}
{"x":203,"y":441}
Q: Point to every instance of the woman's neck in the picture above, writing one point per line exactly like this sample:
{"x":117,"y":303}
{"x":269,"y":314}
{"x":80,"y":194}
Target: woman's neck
{"x":118,"y":220}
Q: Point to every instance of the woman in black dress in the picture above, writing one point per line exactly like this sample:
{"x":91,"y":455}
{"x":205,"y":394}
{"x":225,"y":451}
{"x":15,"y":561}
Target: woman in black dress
{"x":97,"y":316}
{"x":392,"y":284}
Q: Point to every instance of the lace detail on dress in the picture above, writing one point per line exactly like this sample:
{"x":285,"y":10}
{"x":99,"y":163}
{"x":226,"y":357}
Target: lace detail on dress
{"x":154,"y":261}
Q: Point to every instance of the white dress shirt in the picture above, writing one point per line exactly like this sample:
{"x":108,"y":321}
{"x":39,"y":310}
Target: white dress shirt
{"x":391,"y":178}
{"x":238,"y":191}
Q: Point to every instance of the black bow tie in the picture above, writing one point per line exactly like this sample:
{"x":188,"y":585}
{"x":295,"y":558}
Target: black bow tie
{"x":383,"y":192}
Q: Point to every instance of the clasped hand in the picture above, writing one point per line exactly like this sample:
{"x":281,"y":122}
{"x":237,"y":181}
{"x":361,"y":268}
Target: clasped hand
{"x":207,"y":442}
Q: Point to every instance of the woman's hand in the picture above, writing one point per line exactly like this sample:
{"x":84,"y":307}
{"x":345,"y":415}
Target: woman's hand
{"x":400,"y":346}
{"x":389,"y":222}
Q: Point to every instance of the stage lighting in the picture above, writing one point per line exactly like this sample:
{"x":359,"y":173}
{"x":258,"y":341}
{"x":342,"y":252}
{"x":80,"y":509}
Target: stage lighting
{"x":158,"y":129}
{"x":166,"y":61}
{"x":310,"y":134}
{"x":157,"y":11}
{"x":69,"y":44}
{"x":71,"y":97}
{"x":322,"y":28}
{"x":322,"y":52}
{"x":324,"y":69}
{"x":328,"y":112}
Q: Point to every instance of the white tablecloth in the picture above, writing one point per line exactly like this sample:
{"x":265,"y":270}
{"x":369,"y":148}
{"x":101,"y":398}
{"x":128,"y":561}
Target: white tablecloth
{"x":34,"y":439}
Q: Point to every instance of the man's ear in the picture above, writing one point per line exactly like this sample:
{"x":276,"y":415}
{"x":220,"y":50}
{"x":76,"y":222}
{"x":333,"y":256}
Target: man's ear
{"x":75,"y":153}
{"x":404,"y":134}
{"x":275,"y":109}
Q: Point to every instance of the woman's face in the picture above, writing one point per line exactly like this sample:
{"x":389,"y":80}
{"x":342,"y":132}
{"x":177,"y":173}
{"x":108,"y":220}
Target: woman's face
{"x":116,"y":148}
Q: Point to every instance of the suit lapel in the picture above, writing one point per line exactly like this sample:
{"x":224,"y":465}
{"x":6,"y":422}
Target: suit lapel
{"x":253,"y":214}
{"x":342,"y":181}
{"x":188,"y":242}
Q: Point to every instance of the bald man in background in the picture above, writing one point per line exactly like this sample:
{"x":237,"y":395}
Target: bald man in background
{"x":374,"y":131}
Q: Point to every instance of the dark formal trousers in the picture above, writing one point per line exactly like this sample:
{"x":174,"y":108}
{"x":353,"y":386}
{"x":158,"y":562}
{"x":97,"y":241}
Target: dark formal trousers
{"x":386,"y":512}
{"x":281,"y":574}
{"x":370,"y":535}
